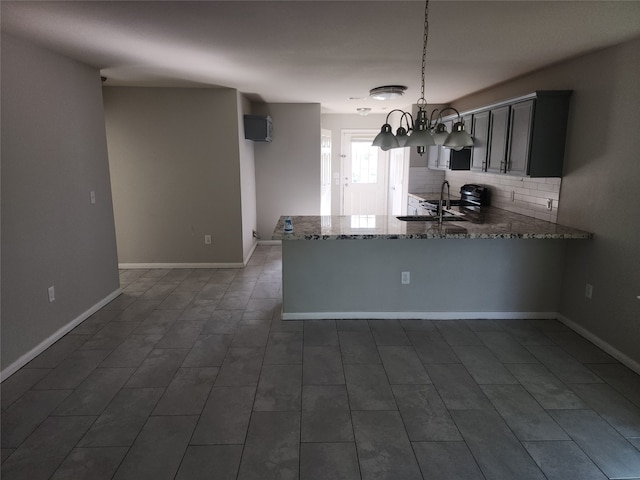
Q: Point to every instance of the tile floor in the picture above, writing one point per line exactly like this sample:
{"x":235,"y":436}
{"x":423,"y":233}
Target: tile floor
{"x":190,"y":374}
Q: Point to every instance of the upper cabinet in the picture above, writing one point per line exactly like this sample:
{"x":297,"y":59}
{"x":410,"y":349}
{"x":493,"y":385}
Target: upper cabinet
{"x":523,"y":136}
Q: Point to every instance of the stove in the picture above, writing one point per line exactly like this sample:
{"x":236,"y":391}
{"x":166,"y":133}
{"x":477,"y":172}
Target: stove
{"x":472,"y":197}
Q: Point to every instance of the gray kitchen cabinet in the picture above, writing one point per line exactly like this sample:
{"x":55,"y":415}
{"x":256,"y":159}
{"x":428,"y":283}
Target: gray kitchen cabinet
{"x":521,"y":121}
{"x":498,"y":136}
{"x":480,"y":141}
{"x":438,"y":156}
{"x":433,"y":156}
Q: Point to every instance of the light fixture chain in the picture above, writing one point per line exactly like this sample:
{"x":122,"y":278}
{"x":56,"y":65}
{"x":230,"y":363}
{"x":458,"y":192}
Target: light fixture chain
{"x":424,"y":49}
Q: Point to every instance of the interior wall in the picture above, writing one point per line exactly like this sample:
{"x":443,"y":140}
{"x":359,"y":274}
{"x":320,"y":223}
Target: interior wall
{"x":54,"y":154}
{"x":247,"y":182}
{"x":288,"y":168}
{"x":599,"y":190}
{"x":175,"y":173}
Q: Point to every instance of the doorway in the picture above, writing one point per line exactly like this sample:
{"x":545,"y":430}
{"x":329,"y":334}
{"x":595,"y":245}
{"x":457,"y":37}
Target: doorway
{"x":374,"y":182}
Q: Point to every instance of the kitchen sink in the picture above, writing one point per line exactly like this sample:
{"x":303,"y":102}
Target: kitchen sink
{"x":430,"y":218}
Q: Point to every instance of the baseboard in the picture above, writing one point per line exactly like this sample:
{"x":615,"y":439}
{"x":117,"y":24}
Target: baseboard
{"x":417,"y":315}
{"x":250,"y":254}
{"x":46,"y":343}
{"x":269,"y":243}
{"x":611,"y":350}
{"x":149,"y":266}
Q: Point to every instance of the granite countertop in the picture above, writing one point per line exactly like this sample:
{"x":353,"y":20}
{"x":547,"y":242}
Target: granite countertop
{"x":490,"y":223}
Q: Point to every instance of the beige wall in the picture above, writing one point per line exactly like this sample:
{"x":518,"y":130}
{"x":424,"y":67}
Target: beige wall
{"x":54,"y":154}
{"x":599,"y":188}
{"x":175,"y":173}
{"x":247,"y":182}
{"x":288,"y":168}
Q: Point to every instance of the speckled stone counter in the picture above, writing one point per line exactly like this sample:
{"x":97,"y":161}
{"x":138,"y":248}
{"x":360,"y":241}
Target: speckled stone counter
{"x":490,"y":223}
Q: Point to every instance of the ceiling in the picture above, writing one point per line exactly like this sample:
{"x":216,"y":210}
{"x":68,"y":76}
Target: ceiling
{"x":327,"y":52}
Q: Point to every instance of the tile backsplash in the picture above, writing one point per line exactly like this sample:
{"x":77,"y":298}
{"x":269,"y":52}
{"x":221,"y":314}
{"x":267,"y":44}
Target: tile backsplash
{"x":524,"y":195}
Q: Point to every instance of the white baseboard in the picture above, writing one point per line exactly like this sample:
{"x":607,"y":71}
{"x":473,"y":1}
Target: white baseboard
{"x":271,"y":243}
{"x":614,"y":352}
{"x":417,"y":315}
{"x":250,"y":254}
{"x":149,"y":266}
{"x":47,"y":342}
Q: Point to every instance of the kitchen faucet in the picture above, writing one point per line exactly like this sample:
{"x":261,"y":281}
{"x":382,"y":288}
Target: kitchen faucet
{"x":441,"y":199}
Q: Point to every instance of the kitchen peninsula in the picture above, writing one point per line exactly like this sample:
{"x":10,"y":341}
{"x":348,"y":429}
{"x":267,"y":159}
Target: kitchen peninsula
{"x":495,"y":264}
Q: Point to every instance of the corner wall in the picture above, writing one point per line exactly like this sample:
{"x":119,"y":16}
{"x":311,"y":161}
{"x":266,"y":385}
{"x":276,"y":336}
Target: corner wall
{"x":54,"y":154}
{"x":175,"y":171}
{"x":599,"y":190}
{"x":288,"y":168}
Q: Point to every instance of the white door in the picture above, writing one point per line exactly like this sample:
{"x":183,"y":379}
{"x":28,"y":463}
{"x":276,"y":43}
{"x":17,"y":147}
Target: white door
{"x":325,"y":172}
{"x":365,"y":176}
{"x":398,"y":181}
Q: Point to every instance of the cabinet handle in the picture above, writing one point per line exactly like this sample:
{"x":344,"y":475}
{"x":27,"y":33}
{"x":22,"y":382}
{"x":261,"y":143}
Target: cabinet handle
{"x":503,"y":166}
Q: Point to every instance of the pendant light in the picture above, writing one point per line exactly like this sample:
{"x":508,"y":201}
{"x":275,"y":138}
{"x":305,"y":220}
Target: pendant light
{"x":423,"y":133}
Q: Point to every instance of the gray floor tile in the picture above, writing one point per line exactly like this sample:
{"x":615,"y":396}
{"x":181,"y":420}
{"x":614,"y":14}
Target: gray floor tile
{"x":456,"y":332}
{"x":388,"y":332}
{"x":483,"y":366}
{"x":19,"y":383}
{"x":157,"y":322}
{"x":381,"y":435}
{"x":619,"y":412}
{"x":525,"y":416}
{"x":432,"y":348}
{"x":95,"y":322}
{"x":125,"y":299}
{"x":132,"y":351}
{"x":158,"y":369}
{"x":358,"y":347}
{"x":94,"y":463}
{"x":94,"y":394}
{"x":545,"y":387}
{"x":201,"y":311}
{"x":177,"y":300}
{"x":329,"y":461}
{"x":241,"y":366}
{"x":24,"y":415}
{"x":222,"y":322}
{"x":176,"y":275}
{"x":418,"y":325}
{"x":563,"y":365}
{"x":425,"y":416}
{"x":208,"y":350}
{"x":137,"y":311}
{"x":109,"y":336}
{"x":563,"y":461}
{"x":320,"y":333}
{"x":206,"y":462}
{"x":483,"y":325}
{"x":123,"y":418}
{"x":498,"y":452}
{"x":352,"y":325}
{"x":325,"y":414}
{"x":446,"y":460}
{"x":6,"y":453}
{"x":45,"y":449}
{"x":368,"y":388}
{"x":272,"y":446}
{"x":251,"y":336}
{"x":616,"y":457}
{"x":225,"y":417}
{"x":158,"y":449}
{"x":456,"y":387}
{"x":56,"y":353}
{"x":279,"y":388}
{"x":284,"y":348}
{"x":230,"y":302}
{"x":187,"y":392}
{"x":579,"y":348}
{"x":402,"y":365}
{"x":73,"y":370}
{"x":506,"y":348}
{"x":524,"y":332}
{"x":621,"y":378}
{"x":322,"y":366}
{"x":181,"y":334}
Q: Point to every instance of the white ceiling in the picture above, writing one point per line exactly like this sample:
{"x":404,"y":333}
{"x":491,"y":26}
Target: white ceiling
{"x":321,"y":51}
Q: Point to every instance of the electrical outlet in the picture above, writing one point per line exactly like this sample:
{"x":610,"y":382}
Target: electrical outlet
{"x":588,"y":291}
{"x":405,"y":278}
{"x":207,"y":239}
{"x":255,"y":235}
{"x":52,"y":293}
{"x":92,"y":197}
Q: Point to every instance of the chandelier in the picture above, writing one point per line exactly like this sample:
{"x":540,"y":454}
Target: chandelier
{"x":426,"y":130}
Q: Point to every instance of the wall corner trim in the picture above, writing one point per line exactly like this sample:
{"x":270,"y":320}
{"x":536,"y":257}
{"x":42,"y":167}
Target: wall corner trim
{"x":250,"y":254}
{"x":611,"y":350}
{"x":61,"y":332}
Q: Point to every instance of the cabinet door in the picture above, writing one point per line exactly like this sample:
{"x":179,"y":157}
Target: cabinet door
{"x":499,"y":130}
{"x":480,"y":141}
{"x":433,"y":154}
{"x":520,"y":137}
